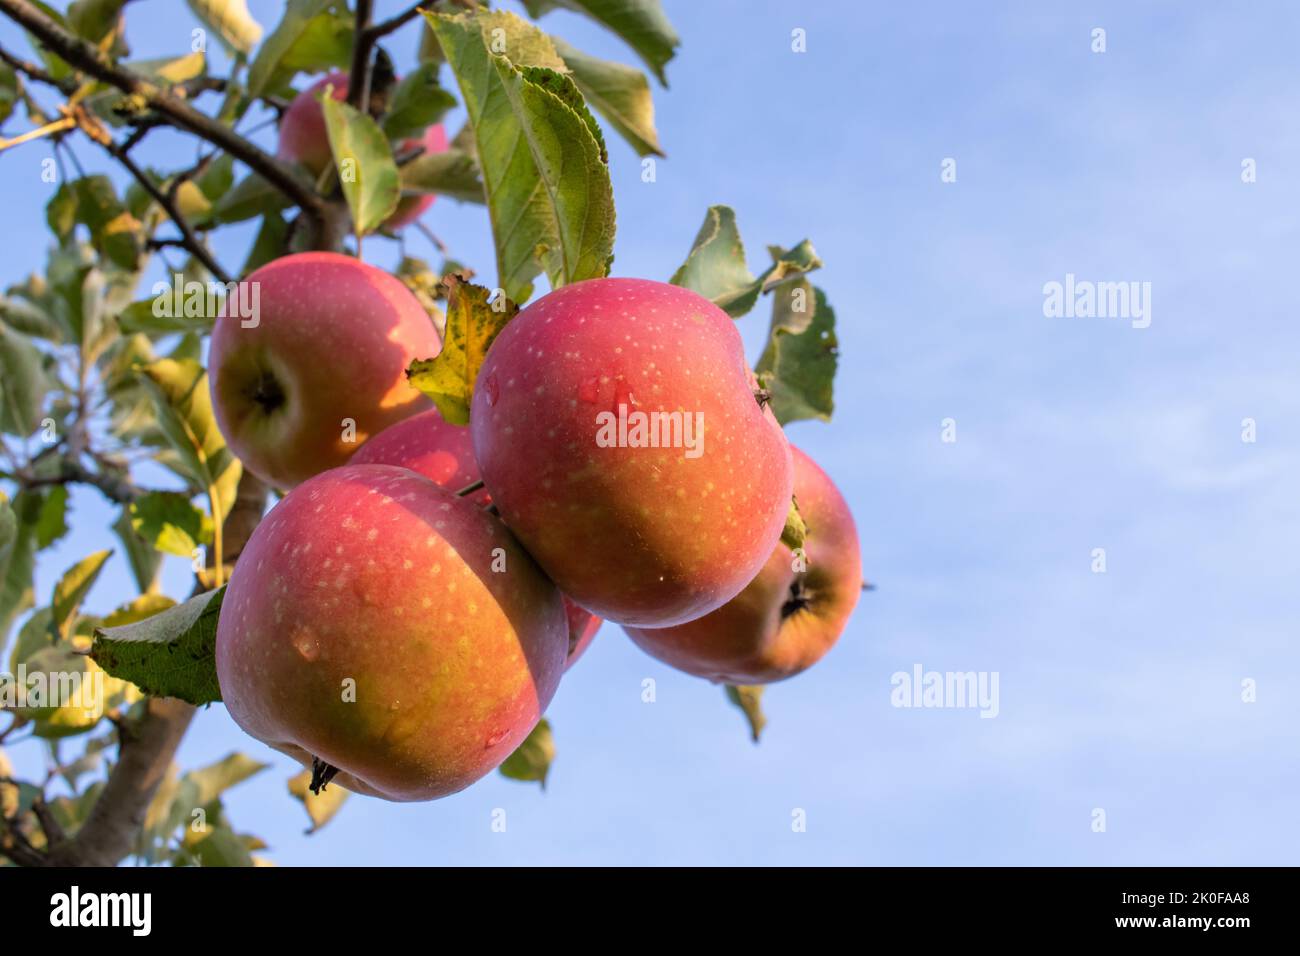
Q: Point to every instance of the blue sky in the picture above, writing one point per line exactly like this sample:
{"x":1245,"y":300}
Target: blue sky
{"x":1119,"y":691}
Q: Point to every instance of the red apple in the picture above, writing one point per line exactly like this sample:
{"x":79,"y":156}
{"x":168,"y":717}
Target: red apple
{"x":637,"y":534}
{"x":790,"y":614}
{"x":426,"y":444}
{"x":379,"y":624}
{"x":304,"y":140}
{"x":327,"y":344}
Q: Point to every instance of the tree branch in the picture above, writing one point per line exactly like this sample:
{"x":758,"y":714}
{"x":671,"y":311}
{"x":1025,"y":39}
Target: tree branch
{"x":90,"y":60}
{"x":146,"y":750}
{"x":189,"y":241}
{"x":143,"y":758}
{"x":359,"y":77}
{"x":114,"y":488}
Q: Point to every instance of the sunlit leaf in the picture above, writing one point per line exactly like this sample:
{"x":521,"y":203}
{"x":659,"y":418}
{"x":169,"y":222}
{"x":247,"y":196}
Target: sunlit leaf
{"x":71,"y":590}
{"x":231,"y":22}
{"x":472,"y":325}
{"x":364,"y":160}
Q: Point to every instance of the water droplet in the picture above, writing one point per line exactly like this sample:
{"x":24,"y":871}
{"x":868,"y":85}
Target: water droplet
{"x":492,"y":389}
{"x":306,"y":645}
{"x":495,"y":738}
{"x":587,"y":389}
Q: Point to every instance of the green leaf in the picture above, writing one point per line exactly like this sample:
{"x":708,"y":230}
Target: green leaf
{"x":8,"y":526}
{"x":171,"y":654}
{"x":472,"y":325}
{"x":326,"y":41}
{"x":544,"y":166}
{"x":715,"y":267}
{"x":179,"y":802}
{"x":9,"y":91}
{"x":532,"y":759}
{"x":642,"y":24}
{"x":297,"y":17}
{"x":114,"y":232}
{"x":169,"y":521}
{"x":183,"y":402}
{"x":418,"y":102}
{"x":169,"y":70}
{"x":364,"y":161}
{"x":23,"y":384}
{"x":619,"y":93}
{"x":144,"y":559}
{"x":230,"y":21}
{"x":143,"y":316}
{"x":93,"y":20}
{"x":220,"y":846}
{"x":795,"y":530}
{"x":61,"y":210}
{"x":749,"y":700}
{"x":269,"y":244}
{"x":18,"y":565}
{"x":70,"y":591}
{"x":250,"y":197}
{"x":201,"y":787}
{"x":798,"y":364}
{"x":52,"y":519}
{"x":452,"y":173}
{"x":321,"y":806}
{"x":141,"y":608}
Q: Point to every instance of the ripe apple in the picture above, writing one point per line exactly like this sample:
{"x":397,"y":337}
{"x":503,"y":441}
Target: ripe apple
{"x":790,"y":614}
{"x":304,"y":140}
{"x":637,"y":534}
{"x":425,"y":443}
{"x":377,"y":624}
{"x":319,"y":367}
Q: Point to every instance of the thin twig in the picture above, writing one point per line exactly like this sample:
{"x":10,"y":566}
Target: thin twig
{"x":191,"y":242}
{"x":94,"y":62}
{"x":58,"y":126}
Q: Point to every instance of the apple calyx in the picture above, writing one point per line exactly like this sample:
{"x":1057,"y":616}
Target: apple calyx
{"x":801,"y":597}
{"x":266,"y":392}
{"x":321,"y":774}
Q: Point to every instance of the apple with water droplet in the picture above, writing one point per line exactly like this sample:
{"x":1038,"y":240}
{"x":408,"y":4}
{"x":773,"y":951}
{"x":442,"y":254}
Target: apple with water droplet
{"x":427,"y":444}
{"x":316,"y":365}
{"x":388,"y":634}
{"x":617,"y":429}
{"x":793,"y":611}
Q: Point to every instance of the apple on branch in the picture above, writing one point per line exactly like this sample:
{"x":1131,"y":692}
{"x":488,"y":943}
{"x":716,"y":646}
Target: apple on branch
{"x":388,"y":634}
{"x":650,"y":525}
{"x":791,"y":614}
{"x":319,"y":366}
{"x":442,"y":452}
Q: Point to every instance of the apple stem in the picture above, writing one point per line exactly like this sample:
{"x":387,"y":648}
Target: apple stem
{"x":470,"y":488}
{"x":321,"y":774}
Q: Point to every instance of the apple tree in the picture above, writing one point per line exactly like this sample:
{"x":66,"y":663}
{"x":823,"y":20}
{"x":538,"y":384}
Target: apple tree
{"x":103,"y":381}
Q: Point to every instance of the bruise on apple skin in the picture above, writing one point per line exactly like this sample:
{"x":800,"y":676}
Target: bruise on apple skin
{"x":373,"y":578}
{"x":793,"y":611}
{"x":638,"y":535}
